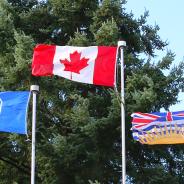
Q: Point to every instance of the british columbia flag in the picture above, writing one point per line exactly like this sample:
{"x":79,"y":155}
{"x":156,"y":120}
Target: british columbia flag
{"x":143,"y":123}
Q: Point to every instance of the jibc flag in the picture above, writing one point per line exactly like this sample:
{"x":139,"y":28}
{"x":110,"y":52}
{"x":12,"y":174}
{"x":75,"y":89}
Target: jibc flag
{"x":158,"y":127}
{"x":92,"y":65}
{"x":13,"y":111}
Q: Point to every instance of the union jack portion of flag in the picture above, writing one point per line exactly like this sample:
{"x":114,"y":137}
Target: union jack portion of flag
{"x":157,"y":124}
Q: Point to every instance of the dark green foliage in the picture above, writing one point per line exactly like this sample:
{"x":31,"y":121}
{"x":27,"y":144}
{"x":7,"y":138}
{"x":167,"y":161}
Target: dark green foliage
{"x":111,"y":38}
{"x":78,"y":125}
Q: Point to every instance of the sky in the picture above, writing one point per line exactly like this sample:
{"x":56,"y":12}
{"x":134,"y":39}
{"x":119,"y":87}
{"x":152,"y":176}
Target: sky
{"x":169,"y":16}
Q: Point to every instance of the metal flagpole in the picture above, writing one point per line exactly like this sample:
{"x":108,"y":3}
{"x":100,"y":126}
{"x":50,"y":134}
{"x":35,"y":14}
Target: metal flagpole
{"x":122,"y":44}
{"x":34,"y":90}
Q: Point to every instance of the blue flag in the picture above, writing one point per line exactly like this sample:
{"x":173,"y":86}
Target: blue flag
{"x":13,"y":111}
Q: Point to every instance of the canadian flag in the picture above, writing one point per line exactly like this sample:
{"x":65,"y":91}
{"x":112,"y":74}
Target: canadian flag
{"x":92,"y":65}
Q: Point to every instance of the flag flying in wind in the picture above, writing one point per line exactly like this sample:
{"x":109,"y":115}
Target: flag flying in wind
{"x":158,"y":127}
{"x":92,"y":65}
{"x":13,"y":111}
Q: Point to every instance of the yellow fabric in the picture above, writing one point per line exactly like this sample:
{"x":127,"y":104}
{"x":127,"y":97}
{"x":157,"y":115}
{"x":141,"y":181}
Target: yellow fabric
{"x":171,"y":136}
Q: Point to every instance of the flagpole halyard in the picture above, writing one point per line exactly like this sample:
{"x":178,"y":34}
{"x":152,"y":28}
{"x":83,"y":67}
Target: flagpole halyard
{"x":122,"y":44}
{"x":34,"y":90}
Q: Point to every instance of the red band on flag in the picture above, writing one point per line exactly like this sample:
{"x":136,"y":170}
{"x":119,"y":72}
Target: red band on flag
{"x":43,"y":60}
{"x":104,"y":70}
{"x":169,"y":116}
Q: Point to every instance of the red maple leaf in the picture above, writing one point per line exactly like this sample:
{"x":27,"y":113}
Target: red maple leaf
{"x":75,"y":64}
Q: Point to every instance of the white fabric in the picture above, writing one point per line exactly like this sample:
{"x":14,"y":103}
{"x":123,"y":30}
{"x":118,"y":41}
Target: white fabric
{"x":86,"y":74}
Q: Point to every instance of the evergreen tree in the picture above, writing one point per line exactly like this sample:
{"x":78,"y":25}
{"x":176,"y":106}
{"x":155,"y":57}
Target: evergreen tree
{"x":78,"y":125}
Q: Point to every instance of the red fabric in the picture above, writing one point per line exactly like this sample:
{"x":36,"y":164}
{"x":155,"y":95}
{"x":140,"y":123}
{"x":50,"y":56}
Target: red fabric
{"x":104,"y":70}
{"x":169,"y":116}
{"x":43,"y":56}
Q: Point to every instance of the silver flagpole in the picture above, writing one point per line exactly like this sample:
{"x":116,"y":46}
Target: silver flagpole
{"x":34,"y":90}
{"x":122,"y":44}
